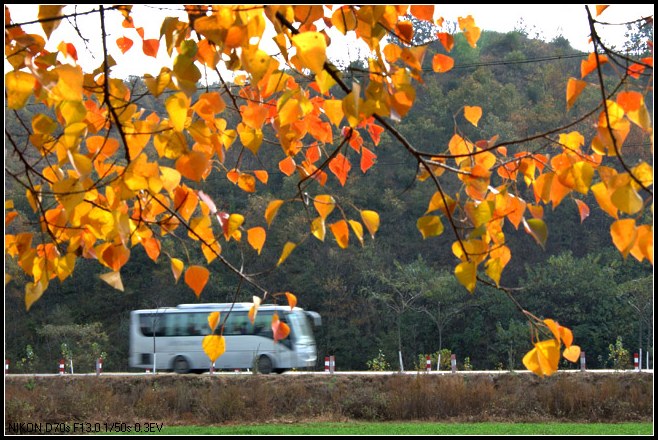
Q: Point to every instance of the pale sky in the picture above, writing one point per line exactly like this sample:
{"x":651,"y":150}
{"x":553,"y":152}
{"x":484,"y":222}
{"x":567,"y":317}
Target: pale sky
{"x":548,"y":21}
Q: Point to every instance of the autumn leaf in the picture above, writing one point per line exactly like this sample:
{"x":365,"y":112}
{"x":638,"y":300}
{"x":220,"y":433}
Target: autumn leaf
{"x":572,"y":353}
{"x":583,"y":209}
{"x":318,"y":228}
{"x":544,"y":358}
{"x":33,"y":292}
{"x":340,"y":166}
{"x":124,"y":44}
{"x":574,"y":89}
{"x":311,"y":50}
{"x":371,"y":220}
{"x":271,"y":210}
{"x":442,"y":63}
{"x":537,"y":229}
{"x":287,"y":250}
{"x":177,"y":268}
{"x":466,"y":273}
{"x":213,"y":320}
{"x":623,"y":234}
{"x":473,"y":114}
{"x":253,"y":310}
{"x":280,"y":329}
{"x":256,"y":238}
{"x":588,"y":65}
{"x":214,"y":346}
{"x":113,"y":279}
{"x":196,"y":278}
{"x":292,"y":300}
{"x":430,"y":226}
{"x":324,"y":204}
{"x":341,"y":233}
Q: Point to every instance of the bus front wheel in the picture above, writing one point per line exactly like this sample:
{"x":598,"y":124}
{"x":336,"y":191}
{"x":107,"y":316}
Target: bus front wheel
{"x":264,"y":365}
{"x":181,"y":366}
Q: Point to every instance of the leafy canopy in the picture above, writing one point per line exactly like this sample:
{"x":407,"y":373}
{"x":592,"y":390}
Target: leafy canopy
{"x":101,"y":175}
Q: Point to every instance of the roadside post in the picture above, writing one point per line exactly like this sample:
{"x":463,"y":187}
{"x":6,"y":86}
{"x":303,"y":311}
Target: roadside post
{"x":453,"y":363}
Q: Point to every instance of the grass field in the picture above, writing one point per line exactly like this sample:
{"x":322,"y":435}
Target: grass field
{"x":417,"y":428}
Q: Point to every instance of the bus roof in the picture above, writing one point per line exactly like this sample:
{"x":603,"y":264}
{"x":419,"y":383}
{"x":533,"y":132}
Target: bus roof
{"x":216,"y":307}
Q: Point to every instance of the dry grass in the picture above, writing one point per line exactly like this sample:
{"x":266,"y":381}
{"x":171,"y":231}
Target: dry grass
{"x":205,"y":400}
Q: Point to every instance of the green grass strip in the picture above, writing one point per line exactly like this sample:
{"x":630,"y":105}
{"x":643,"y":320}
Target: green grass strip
{"x":416,"y":428}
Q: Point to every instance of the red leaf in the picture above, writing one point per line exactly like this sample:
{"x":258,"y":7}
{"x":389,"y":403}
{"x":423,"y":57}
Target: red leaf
{"x":367,"y":159}
{"x":150,"y":47}
{"x":124,"y":44}
{"x":340,"y":166}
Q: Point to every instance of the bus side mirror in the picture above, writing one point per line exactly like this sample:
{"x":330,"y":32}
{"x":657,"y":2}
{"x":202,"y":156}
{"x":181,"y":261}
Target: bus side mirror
{"x":315,"y":318}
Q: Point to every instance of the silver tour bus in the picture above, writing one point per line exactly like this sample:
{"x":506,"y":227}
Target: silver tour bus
{"x":170,"y":338}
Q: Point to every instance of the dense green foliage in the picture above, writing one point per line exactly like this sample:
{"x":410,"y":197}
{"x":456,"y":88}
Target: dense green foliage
{"x":385,"y":295}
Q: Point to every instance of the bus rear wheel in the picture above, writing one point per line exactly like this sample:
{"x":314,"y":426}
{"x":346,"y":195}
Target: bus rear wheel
{"x":264,"y":365}
{"x":181,"y":365}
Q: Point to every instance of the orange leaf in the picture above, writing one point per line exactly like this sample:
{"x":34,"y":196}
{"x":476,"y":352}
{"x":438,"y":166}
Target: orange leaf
{"x":213,"y":320}
{"x":194,"y":165}
{"x":253,"y":310}
{"x":423,"y":12}
{"x":196,"y":278}
{"x":152,"y":248}
{"x":150,"y":47}
{"x":599,"y":11}
{"x":473,"y":114}
{"x":587,"y":66}
{"x":447,"y":40}
{"x":340,"y":166}
{"x":574,"y":88}
{"x":292,"y":300}
{"x":287,"y":166}
{"x":124,"y":43}
{"x":572,"y":353}
{"x":262,"y":176}
{"x":583,"y":209}
{"x":271,"y":210}
{"x":324,"y":204}
{"x":341,"y":232}
{"x":442,"y":63}
{"x":623,"y":234}
{"x":247,"y":182}
{"x":280,"y":330}
{"x":256,"y":238}
{"x":367,"y":159}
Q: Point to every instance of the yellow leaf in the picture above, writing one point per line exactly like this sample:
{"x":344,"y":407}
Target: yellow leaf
{"x":287,"y":250}
{"x":213,"y":320}
{"x":623,"y":234}
{"x":256,"y":238}
{"x":33,"y":292}
{"x":574,"y":88}
{"x":537,"y":229}
{"x":177,"y":106}
{"x":643,"y":247}
{"x":357,"y":228}
{"x":473,"y":114}
{"x":344,"y":19}
{"x":341,"y":233}
{"x":311,"y":50}
{"x":318,"y":228}
{"x":214,"y":346}
{"x":572,"y":353}
{"x":196,"y":278}
{"x":177,"y":268}
{"x":333,"y":108}
{"x":271,"y":210}
{"x":626,"y":199}
{"x":371,"y":220}
{"x":324,"y":204}
{"x":19,"y":86}
{"x":232,"y":225}
{"x":113,"y":279}
{"x":46,"y":15}
{"x":430,"y":226}
{"x":466,"y":273}
{"x":292,"y":300}
{"x":544,"y":358}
